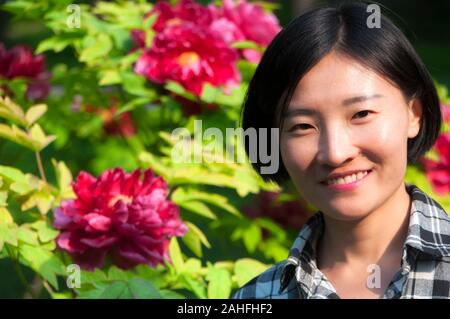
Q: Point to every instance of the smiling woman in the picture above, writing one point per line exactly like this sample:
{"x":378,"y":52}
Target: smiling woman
{"x":355,"y":105}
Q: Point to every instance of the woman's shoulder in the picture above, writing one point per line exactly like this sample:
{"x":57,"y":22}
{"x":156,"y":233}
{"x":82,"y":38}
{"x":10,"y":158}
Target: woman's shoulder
{"x":267,"y":285}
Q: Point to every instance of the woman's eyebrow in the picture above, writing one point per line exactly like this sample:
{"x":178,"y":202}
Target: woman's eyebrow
{"x":299,"y":110}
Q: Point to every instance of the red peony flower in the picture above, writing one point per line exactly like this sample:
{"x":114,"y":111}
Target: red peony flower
{"x":185,"y":12}
{"x":119,"y":216}
{"x":20,"y":62}
{"x":289,"y":214}
{"x":445,"y":109}
{"x":250,"y":22}
{"x":438,"y":173}
{"x":120,"y":125}
{"x":190,"y":55}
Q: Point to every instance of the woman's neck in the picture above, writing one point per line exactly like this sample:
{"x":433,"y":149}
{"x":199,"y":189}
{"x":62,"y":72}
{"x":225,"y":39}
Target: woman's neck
{"x":380,"y":234}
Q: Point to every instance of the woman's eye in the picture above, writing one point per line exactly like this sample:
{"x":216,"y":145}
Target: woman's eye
{"x":366,"y":112}
{"x":302,"y":126}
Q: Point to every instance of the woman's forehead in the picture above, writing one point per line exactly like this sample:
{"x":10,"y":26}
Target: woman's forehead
{"x":336,"y":79}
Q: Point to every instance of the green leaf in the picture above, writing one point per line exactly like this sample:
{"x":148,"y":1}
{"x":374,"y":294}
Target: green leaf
{"x":193,"y":266}
{"x":246,"y":180}
{"x":43,"y":262}
{"x":132,"y":105}
{"x":115,"y":273}
{"x":38,"y":135}
{"x":127,"y":61}
{"x":5,"y":217}
{"x":209,"y":93}
{"x":11,"y":111}
{"x":18,"y":180}
{"x":274,"y":250}
{"x":63,"y":178}
{"x":90,"y":277}
{"x":100,"y":48}
{"x":135,"y":85}
{"x":193,"y":243}
{"x":116,"y":290}
{"x":198,"y":208}
{"x":18,"y":136}
{"x":158,"y":166}
{"x":43,"y":200}
{"x":200,"y":176}
{"x":142,"y":289}
{"x":3,"y":198}
{"x":169,"y":294}
{"x":109,"y":77}
{"x":194,"y":238}
{"x":45,"y":231}
{"x":185,"y":194}
{"x":252,"y":236}
{"x":27,"y":236}
{"x":196,"y":286}
{"x":175,"y":255}
{"x":8,"y":234}
{"x":177,"y":88}
{"x":56,"y":43}
{"x":219,"y":286}
{"x":274,"y":228}
{"x":35,"y":112}
{"x":246,"y":269}
{"x":199,"y":234}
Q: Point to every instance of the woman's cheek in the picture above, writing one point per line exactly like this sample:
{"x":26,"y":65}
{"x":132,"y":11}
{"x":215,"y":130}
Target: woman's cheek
{"x":384,"y":138}
{"x":297,"y":155}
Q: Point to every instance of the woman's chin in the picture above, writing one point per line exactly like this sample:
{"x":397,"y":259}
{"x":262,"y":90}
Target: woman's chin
{"x":346,"y":214}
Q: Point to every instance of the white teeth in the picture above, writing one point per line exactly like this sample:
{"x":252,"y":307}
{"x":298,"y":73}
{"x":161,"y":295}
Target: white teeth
{"x":347,"y":179}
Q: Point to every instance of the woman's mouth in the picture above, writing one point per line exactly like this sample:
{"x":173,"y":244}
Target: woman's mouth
{"x":349,"y":182}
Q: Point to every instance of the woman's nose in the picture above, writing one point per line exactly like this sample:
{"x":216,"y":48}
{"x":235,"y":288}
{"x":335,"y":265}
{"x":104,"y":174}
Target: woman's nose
{"x":336,"y":147}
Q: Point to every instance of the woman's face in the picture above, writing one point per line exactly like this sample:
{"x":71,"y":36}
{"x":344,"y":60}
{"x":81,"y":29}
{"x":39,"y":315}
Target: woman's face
{"x":357,"y":120}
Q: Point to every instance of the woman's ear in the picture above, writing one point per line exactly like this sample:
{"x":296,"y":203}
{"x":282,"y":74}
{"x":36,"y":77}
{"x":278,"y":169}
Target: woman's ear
{"x":415,"y":117}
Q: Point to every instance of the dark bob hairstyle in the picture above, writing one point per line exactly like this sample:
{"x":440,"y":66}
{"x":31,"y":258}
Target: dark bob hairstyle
{"x":344,"y":30}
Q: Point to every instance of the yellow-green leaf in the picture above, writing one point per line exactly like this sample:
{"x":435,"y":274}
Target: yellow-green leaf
{"x":11,"y":111}
{"x":3,"y":198}
{"x":43,"y":262}
{"x":8,"y":234}
{"x":219,"y":286}
{"x":38,"y":135}
{"x":19,"y":182}
{"x":45,"y":231}
{"x":98,"y":49}
{"x":5,"y":217}
{"x":198,"y":208}
{"x":63,"y":178}
{"x":175,"y":255}
{"x":28,"y":236}
{"x":18,"y":136}
{"x":246,"y":269}
{"x":199,"y":233}
{"x":35,"y":112}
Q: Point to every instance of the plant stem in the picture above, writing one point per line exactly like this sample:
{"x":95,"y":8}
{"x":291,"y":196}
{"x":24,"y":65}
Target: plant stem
{"x":20,"y":273}
{"x":40,"y":167}
{"x":48,"y":287}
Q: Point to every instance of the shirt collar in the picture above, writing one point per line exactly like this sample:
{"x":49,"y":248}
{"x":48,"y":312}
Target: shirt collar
{"x":429,"y":225}
{"x":428,"y":232}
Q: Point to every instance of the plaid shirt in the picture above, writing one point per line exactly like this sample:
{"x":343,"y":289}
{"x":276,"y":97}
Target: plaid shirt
{"x":424,"y":270}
